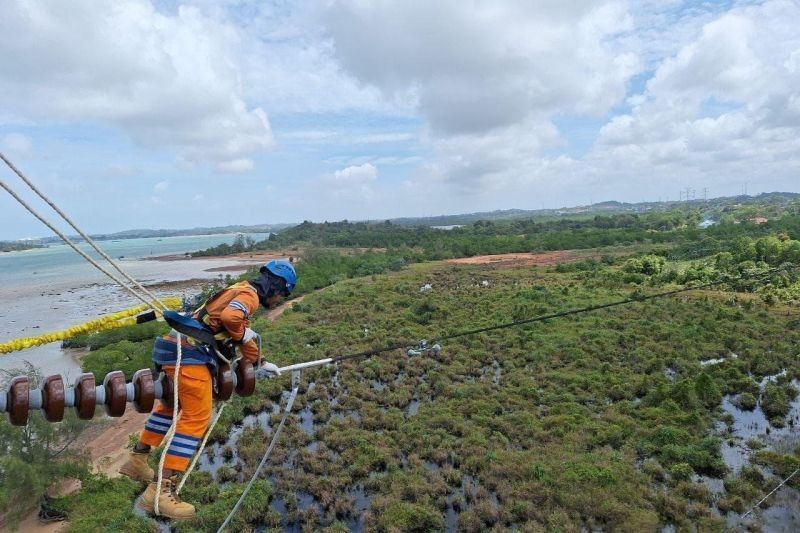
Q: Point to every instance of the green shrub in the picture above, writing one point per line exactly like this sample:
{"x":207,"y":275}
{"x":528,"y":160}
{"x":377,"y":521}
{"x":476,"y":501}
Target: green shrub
{"x":776,"y":399}
{"x":681,"y":471}
{"x":406,"y":516}
{"x":747,"y":401}
{"x":648,"y":265}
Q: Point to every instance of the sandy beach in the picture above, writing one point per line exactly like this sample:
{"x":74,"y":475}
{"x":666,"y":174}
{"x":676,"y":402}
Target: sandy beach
{"x":32,"y":309}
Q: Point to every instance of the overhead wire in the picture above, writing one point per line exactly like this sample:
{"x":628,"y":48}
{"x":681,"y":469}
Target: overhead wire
{"x":261,"y":464}
{"x":368,"y":353}
{"x":363,"y":354}
{"x":541,"y":318}
{"x":781,"y":484}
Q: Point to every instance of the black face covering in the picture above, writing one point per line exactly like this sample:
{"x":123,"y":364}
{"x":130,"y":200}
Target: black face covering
{"x":268,"y":286}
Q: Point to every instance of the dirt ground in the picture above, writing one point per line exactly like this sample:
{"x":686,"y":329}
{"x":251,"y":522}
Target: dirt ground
{"x":517,"y":260}
{"x":178,"y":285}
{"x":262,"y":257}
{"x":107,"y":444}
{"x":255,"y":257}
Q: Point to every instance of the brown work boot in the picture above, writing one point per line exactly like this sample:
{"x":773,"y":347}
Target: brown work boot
{"x":169,"y":503}
{"x":136,"y":467}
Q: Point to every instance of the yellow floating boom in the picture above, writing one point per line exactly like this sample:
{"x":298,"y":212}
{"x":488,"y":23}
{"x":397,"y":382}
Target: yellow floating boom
{"x":112,"y":321}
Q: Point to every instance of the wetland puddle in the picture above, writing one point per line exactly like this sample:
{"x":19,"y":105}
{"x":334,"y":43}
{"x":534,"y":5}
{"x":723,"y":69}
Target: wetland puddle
{"x":294,"y":505}
{"x":749,"y":426}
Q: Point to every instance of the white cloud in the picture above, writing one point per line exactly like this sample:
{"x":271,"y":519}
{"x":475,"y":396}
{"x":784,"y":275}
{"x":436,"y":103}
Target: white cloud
{"x":236,"y":166}
{"x":116,"y":170}
{"x":489,"y":78}
{"x":351,"y":183}
{"x":476,"y":66}
{"x":461,"y":105}
{"x":356,"y":175}
{"x":348,"y":137}
{"x":165,"y":79}
{"x":722,"y":109}
{"x":721,"y":102}
{"x":17,"y":144}
{"x":308,"y":135}
{"x":161,"y":186}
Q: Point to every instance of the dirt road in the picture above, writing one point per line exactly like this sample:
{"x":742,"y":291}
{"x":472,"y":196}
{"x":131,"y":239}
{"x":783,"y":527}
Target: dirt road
{"x":517,"y":260}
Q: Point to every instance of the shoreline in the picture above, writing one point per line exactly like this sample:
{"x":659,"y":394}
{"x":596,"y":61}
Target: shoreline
{"x":253,"y":257}
{"x":34,"y":308}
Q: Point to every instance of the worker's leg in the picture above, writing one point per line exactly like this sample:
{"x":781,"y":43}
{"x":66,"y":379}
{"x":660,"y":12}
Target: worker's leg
{"x":157,"y":424}
{"x":155,"y":428}
{"x":195,"y":397}
{"x":195,"y":390}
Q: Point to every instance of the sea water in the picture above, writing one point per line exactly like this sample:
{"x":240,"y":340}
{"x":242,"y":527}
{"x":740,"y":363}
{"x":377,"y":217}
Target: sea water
{"x":47,"y":289}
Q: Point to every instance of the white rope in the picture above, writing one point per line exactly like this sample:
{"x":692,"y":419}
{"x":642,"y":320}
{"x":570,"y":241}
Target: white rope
{"x":782,"y":483}
{"x":176,"y":415}
{"x":202,"y":447}
{"x":76,"y":228}
{"x":277,"y":434}
{"x":211,"y":427}
{"x":73,"y":245}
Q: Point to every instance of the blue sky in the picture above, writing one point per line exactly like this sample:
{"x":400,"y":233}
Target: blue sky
{"x":138,"y":114}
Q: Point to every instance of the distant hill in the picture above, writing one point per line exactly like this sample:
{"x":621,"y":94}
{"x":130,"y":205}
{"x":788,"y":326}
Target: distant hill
{"x":16,"y":246}
{"x":606,"y":207}
{"x":144,"y":233}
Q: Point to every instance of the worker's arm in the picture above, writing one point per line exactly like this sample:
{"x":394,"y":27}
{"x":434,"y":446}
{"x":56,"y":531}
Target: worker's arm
{"x":235,"y":319}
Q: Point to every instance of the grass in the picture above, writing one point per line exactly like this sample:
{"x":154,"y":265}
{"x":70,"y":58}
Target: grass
{"x":104,"y":505}
{"x":591,"y":421}
{"x":563,"y":415}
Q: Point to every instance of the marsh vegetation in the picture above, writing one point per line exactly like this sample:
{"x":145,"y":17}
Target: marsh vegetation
{"x":678,"y":412}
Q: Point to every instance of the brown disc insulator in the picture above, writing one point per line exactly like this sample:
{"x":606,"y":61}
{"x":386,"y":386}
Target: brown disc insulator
{"x":245,"y":378}
{"x":116,"y":393}
{"x":53,"y":398}
{"x":18,"y":400}
{"x":85,"y":396}
{"x":145,"y":390}
{"x":168,"y":391}
{"x":224,"y":382}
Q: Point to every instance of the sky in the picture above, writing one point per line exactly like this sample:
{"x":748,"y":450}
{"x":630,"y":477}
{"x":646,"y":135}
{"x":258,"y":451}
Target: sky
{"x":166,"y":114}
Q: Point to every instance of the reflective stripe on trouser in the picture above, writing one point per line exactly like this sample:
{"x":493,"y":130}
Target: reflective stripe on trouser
{"x":195,"y":401}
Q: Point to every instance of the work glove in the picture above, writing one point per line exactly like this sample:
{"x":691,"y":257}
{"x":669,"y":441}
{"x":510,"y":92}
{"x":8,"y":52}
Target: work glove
{"x":249,"y":335}
{"x":268,"y":370}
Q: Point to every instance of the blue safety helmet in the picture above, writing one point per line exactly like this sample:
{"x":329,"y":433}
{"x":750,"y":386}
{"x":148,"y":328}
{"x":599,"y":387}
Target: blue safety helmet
{"x":284,"y":270}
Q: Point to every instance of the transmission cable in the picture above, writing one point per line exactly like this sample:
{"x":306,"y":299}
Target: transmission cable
{"x":541,"y":318}
{"x":759,"y":278}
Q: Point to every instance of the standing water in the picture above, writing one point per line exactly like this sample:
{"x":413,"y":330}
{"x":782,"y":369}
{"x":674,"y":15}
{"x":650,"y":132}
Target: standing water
{"x":48,"y":289}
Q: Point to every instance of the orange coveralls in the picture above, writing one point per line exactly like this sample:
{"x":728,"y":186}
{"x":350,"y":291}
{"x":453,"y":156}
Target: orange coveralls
{"x":227,"y":313}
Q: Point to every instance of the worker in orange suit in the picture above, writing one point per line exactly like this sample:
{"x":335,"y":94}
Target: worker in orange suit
{"x":227,"y":313}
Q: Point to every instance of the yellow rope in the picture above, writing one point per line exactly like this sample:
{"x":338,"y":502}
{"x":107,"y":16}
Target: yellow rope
{"x":112,"y":321}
